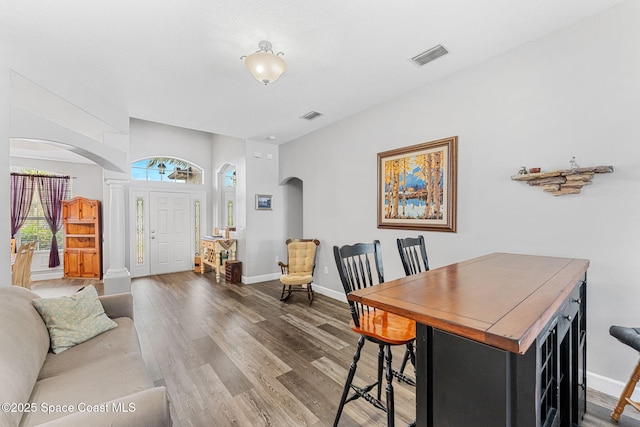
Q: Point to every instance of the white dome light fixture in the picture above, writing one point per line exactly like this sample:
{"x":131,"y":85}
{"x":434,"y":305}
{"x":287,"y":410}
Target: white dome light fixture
{"x":264,"y":65}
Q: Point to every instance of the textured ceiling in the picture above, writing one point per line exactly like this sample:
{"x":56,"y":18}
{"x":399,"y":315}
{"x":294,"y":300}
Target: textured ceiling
{"x":178,"y":62}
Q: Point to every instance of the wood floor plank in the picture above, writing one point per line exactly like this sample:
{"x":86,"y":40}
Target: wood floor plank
{"x":223,"y":408}
{"x":318,"y":334}
{"x":153,"y":369}
{"x":305,"y":391}
{"x":285,"y":342}
{"x":247,"y":353}
{"x":315,"y":317}
{"x":281,"y":402}
{"x":232,"y":377}
{"x":234,"y":287}
{"x":179,"y":340}
{"x":182,"y":391}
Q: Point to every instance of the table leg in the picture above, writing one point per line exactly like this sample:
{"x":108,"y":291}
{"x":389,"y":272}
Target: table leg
{"x":217,"y":266}
{"x":424,"y":369}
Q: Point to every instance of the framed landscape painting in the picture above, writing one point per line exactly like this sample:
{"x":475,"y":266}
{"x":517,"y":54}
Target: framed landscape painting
{"x":263,"y":202}
{"x":417,"y":186}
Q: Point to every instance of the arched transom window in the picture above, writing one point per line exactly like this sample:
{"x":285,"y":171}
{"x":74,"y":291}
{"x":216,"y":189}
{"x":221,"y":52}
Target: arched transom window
{"x":166,"y":169}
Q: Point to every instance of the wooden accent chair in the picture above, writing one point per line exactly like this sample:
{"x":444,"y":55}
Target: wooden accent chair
{"x":630,"y":337}
{"x":297,"y":273}
{"x":413,"y":254}
{"x":21,"y":269}
{"x":355,"y":264}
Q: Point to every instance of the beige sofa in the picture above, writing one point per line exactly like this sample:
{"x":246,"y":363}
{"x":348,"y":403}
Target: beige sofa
{"x":102,"y":381}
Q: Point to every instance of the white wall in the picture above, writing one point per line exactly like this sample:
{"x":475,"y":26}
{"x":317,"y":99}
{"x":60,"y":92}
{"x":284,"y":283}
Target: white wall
{"x":5,"y":213}
{"x":573,"y":93}
{"x":264,"y":228}
{"x":148,"y":139}
{"x":229,"y":150}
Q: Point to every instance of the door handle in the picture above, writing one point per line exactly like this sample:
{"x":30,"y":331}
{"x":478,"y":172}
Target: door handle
{"x":153,"y":237}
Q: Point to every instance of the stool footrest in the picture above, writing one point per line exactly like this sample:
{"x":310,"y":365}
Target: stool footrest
{"x":403,"y":378}
{"x":632,"y":403}
{"x":364,"y":393}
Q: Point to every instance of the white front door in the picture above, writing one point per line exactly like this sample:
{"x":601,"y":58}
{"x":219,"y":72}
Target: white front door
{"x":169,"y":232}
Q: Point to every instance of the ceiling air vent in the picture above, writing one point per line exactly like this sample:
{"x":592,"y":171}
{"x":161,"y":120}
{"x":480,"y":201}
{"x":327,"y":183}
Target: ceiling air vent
{"x":311,"y":115}
{"x":430,"y":55}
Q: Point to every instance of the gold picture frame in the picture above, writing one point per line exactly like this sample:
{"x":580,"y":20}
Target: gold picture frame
{"x":417,"y":186}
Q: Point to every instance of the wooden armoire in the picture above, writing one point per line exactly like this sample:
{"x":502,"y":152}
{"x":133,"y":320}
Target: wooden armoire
{"x":82,"y":238}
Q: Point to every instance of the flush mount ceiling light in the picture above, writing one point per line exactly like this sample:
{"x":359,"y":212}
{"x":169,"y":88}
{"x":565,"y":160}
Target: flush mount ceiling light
{"x":264,"y":65}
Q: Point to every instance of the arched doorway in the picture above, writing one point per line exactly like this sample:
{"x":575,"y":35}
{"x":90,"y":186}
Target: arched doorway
{"x":293,"y":201}
{"x":226,"y":211}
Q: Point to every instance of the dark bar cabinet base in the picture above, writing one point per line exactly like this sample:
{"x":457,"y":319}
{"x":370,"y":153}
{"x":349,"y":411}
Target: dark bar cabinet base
{"x":470,"y":383}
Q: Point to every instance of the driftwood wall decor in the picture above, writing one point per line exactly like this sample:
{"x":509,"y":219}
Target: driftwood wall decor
{"x":561,"y":182}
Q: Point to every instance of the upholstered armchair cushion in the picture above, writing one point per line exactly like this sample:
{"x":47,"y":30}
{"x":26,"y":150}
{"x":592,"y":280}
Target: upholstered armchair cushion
{"x":296,"y":279}
{"x":302,"y":257}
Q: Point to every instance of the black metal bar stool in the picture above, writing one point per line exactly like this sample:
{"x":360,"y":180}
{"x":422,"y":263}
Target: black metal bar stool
{"x":630,"y":337}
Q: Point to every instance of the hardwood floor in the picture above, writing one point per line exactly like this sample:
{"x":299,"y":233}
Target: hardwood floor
{"x":235,"y":355}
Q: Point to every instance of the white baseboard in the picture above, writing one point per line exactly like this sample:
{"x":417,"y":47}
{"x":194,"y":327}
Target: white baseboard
{"x":609,"y":386}
{"x":263,"y":278}
{"x":340,"y":296}
{"x":46,"y":274}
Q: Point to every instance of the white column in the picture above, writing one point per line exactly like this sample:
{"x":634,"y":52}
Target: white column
{"x":117,"y":278}
{"x":5,"y":191}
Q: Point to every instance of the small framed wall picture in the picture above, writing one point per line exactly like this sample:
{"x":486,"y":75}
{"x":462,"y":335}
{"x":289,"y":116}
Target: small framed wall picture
{"x":264,"y":202}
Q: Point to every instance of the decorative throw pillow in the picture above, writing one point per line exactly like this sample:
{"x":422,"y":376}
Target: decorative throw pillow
{"x":74,"y":319}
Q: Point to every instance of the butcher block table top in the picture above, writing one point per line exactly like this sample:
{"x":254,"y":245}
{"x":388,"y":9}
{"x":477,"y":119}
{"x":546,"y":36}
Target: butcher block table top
{"x":503,"y":300}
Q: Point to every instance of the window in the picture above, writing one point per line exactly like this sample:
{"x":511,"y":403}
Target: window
{"x":35,"y":227}
{"x":140,"y":231}
{"x":230,"y":178}
{"x":166,"y":169}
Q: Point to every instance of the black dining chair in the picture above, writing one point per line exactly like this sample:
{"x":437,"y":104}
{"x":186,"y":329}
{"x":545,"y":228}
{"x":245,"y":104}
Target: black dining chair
{"x":360,"y":266}
{"x":413,"y":254}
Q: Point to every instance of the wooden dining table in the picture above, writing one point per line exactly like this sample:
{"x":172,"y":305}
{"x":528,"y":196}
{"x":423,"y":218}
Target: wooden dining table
{"x":484,"y":326}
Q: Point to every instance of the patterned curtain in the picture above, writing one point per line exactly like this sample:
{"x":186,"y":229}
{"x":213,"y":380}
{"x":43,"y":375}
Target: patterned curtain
{"x":22,"y":187}
{"x":53,"y":190}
